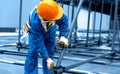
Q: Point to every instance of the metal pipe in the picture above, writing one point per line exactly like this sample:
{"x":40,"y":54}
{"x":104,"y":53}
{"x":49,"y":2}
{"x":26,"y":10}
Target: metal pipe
{"x":75,"y":27}
{"x":88,"y":24}
{"x":59,"y":61}
{"x":68,"y":13}
{"x":110,"y":21}
{"x":72,"y":14}
{"x":73,"y":9}
{"x":118,"y":27}
{"x":94,"y":22}
{"x":95,"y":49}
{"x":20,"y":17}
{"x":57,"y":1}
{"x":62,"y":3}
{"x":119,"y":34}
{"x":114,"y":26}
{"x":78,"y":50}
{"x":73,"y":71}
{"x":99,"y":41}
{"x":87,"y":61}
{"x":74,"y":19}
{"x":70,"y":32}
{"x":75,"y":32}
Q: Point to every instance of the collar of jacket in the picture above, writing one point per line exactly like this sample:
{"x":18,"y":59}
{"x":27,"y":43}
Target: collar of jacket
{"x":44,"y":23}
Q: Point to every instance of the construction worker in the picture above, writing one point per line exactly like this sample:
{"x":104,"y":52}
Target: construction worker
{"x":42,"y":32}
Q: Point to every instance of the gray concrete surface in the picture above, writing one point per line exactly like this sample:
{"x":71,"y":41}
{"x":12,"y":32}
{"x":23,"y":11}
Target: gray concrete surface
{"x":6,"y":60}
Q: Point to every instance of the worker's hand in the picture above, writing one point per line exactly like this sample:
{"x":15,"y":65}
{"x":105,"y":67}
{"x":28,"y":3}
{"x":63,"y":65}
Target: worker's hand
{"x":63,"y":42}
{"x":26,"y":27}
{"x":50,"y":64}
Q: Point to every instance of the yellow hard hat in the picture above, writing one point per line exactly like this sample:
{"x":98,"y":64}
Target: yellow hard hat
{"x":49,"y":10}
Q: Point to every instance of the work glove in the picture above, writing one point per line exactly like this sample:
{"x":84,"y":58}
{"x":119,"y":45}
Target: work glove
{"x":50,"y":64}
{"x":63,"y":42}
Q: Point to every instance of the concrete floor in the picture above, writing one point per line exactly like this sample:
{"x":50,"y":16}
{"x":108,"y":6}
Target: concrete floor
{"x":7,"y":66}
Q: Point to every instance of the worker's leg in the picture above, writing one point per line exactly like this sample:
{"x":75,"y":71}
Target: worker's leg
{"x":31,"y":63}
{"x":50,"y":43}
{"x":50,"y":48}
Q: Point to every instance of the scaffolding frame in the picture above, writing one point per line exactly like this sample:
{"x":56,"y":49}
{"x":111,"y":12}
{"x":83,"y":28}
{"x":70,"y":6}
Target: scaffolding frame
{"x":60,"y":69}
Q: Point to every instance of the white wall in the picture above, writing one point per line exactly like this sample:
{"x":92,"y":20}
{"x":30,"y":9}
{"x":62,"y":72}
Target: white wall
{"x":9,"y":12}
{"x":105,"y":21}
{"x":83,"y":20}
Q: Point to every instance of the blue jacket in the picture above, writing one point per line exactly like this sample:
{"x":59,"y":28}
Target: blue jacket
{"x":37,"y":33}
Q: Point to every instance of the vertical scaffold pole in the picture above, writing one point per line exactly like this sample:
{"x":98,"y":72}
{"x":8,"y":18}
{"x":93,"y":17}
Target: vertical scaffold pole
{"x":100,"y":29}
{"x":114,"y":26}
{"x":20,"y":17}
{"x":88,"y":24}
{"x":111,"y":8}
{"x":69,"y":33}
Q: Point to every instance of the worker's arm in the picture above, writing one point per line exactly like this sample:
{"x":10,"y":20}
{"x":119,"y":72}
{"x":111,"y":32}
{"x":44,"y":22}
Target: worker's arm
{"x":63,"y":28}
{"x":63,"y":25}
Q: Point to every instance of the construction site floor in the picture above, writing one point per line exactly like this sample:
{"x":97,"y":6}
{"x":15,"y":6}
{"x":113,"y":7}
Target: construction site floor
{"x":8,"y":60}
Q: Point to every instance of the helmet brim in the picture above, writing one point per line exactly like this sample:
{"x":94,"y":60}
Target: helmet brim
{"x":60,"y":13}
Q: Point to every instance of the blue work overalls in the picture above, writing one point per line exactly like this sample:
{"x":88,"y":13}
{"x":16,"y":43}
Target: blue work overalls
{"x":42,"y":42}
